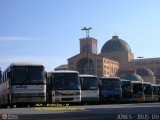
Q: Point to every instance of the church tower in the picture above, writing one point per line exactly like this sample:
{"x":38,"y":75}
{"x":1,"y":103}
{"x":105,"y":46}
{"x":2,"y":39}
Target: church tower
{"x":88,"y":45}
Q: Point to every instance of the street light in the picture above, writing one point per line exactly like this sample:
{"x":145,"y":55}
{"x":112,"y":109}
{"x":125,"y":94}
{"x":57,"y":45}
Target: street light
{"x":140,"y":57}
{"x":87,"y":36}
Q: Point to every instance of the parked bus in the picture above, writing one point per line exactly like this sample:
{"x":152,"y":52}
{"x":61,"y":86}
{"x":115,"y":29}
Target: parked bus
{"x":154,"y":93}
{"x":127,"y":92}
{"x":110,"y":89}
{"x":89,"y":89}
{"x":23,"y":84}
{"x":138,"y":92}
{"x":63,"y":86}
{"x":147,"y":91}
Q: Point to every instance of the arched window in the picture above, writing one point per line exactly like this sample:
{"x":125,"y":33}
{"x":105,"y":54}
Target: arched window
{"x":86,"y":66}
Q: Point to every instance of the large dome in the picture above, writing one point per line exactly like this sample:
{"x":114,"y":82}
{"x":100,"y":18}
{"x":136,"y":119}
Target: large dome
{"x":115,"y":45}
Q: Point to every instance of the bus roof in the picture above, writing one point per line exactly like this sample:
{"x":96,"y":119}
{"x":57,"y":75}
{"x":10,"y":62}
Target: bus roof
{"x":86,"y":75}
{"x":25,"y":64}
{"x":125,"y":80}
{"x":154,"y":85}
{"x":109,"y":77}
{"x":146,"y":83}
{"x":136,"y":82}
{"x":64,"y":71}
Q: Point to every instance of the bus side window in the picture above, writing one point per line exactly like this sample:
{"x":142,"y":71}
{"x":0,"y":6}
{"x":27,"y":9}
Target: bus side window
{"x":4,"y":77}
{"x":9,"y":74}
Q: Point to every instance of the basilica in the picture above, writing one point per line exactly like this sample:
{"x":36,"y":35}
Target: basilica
{"x":115,"y":59}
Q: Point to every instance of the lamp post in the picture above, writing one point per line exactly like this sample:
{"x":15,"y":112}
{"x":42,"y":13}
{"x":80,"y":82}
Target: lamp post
{"x":140,"y":58}
{"x":87,"y":36}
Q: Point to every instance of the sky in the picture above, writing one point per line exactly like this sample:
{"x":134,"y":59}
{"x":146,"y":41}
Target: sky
{"x":48,"y":31}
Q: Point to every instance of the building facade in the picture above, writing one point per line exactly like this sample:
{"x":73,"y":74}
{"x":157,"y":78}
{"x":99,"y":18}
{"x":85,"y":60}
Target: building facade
{"x":153,"y":64}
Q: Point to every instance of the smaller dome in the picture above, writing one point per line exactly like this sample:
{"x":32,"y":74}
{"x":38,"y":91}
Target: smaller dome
{"x":133,"y":77}
{"x":144,"y":72}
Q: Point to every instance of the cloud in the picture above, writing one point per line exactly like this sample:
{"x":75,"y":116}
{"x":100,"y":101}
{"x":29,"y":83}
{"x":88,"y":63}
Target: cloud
{"x":13,"y":38}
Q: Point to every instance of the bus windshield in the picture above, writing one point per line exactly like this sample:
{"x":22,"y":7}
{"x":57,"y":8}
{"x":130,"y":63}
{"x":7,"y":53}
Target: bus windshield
{"x":147,"y":89}
{"x":36,"y":74}
{"x":66,"y":81}
{"x":28,"y":75}
{"x":155,"y":90}
{"x":110,"y":84}
{"x":20,"y":75}
{"x":126,"y":86}
{"x":89,"y":83}
{"x":137,"y":89}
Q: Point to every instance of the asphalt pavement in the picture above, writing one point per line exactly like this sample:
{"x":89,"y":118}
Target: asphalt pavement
{"x":141,"y":111}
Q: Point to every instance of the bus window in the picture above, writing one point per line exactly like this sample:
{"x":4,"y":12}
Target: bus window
{"x":89,"y":83}
{"x":147,"y":91}
{"x":127,"y":92}
{"x":110,"y":85}
{"x":37,"y":74}
{"x":137,"y":89}
{"x":66,"y":81}
{"x":138,"y":92}
{"x":19,"y":75}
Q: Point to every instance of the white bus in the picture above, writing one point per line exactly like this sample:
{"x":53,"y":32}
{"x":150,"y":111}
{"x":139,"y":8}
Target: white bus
{"x":23,"y":84}
{"x":154,"y":93}
{"x":147,"y":91}
{"x":63,"y":86}
{"x":89,"y":88}
{"x":138,"y":91}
